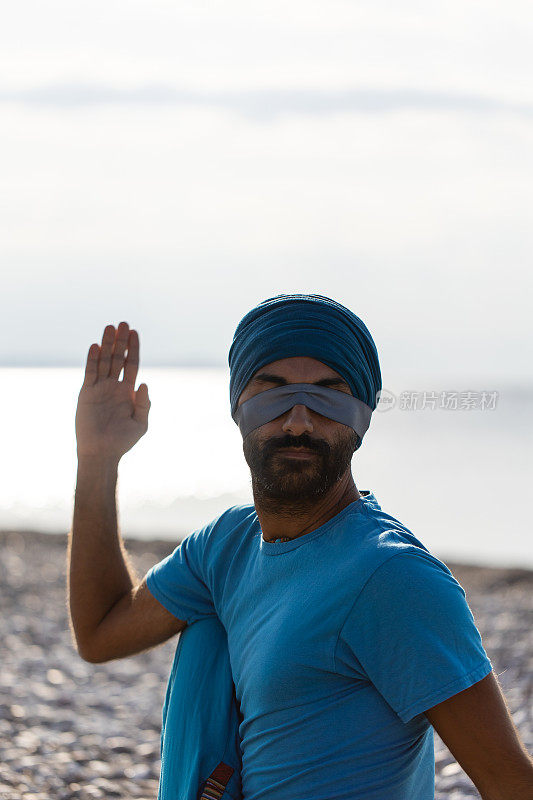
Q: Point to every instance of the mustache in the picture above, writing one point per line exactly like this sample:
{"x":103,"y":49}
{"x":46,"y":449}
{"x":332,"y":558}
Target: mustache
{"x":285,"y":442}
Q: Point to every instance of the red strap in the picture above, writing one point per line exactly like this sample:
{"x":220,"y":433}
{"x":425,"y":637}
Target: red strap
{"x":216,"y":784}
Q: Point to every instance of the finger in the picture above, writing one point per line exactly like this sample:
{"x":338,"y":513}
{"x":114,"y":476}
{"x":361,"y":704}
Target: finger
{"x":91,"y":367}
{"x":105,"y":352}
{"x":131,"y":364}
{"x":142,"y":405}
{"x":117,"y":359}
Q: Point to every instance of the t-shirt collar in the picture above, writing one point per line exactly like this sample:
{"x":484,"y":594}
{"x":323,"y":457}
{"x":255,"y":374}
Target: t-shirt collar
{"x":277,"y":548}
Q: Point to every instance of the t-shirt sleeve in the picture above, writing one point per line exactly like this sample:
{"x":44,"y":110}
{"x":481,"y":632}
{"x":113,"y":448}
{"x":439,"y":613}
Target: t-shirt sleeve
{"x":179,"y":582}
{"x":412,"y":634}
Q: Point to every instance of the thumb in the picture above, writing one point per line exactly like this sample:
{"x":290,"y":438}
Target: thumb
{"x":142,"y":404}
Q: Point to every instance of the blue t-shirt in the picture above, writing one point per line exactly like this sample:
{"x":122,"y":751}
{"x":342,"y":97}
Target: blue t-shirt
{"x":339,"y":640}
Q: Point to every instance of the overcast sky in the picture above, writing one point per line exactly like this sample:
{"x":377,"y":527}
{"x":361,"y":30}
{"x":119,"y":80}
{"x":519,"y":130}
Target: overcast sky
{"x":172,"y":164}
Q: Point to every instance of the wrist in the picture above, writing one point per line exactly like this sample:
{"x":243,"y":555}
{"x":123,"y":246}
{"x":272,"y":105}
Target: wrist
{"x":94,"y":462}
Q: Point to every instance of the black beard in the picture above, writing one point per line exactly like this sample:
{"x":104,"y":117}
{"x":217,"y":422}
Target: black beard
{"x":280,"y":483}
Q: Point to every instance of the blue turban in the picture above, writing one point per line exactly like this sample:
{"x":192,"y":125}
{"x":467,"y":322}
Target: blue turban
{"x":305,"y":325}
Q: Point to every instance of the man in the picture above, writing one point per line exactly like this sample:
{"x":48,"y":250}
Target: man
{"x":347,"y":639}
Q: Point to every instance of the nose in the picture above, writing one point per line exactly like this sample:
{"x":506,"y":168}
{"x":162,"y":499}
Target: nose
{"x":298,"y":421}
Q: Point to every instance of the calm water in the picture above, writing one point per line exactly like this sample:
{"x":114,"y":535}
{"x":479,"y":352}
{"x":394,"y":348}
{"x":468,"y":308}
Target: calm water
{"x":459,"y":479}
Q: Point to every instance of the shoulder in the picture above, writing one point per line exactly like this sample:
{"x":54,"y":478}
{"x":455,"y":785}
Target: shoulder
{"x":392,"y":551}
{"x":388,"y":534}
{"x":404,"y":562}
{"x":230,"y":520}
{"x":412,"y":578}
{"x":409,"y":590}
{"x":212,"y":537}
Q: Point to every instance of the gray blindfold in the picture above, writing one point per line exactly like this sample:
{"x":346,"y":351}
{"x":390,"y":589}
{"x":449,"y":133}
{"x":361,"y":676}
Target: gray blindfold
{"x":331,"y":403}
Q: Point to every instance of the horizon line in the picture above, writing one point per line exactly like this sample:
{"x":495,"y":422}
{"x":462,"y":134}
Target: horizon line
{"x":266,"y":102}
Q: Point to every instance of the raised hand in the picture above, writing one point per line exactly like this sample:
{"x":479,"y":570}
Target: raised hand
{"x":111,"y":416}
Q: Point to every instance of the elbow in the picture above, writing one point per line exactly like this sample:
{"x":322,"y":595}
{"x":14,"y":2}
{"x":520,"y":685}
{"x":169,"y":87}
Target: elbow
{"x":86,"y":653}
{"x":90,"y":658}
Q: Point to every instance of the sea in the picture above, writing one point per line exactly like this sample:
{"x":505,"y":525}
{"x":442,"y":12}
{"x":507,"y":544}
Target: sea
{"x":453,"y":464}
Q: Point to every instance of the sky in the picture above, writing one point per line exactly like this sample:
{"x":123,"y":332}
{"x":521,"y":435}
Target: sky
{"x":172,"y":164}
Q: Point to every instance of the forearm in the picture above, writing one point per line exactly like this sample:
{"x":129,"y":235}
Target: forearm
{"x":99,"y":572}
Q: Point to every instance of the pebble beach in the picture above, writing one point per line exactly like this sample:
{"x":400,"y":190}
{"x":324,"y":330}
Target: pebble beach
{"x":70,"y":729}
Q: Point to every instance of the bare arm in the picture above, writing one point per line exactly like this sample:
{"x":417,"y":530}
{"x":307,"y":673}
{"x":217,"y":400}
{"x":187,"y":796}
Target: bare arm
{"x":112,"y":614}
{"x":478,"y":729}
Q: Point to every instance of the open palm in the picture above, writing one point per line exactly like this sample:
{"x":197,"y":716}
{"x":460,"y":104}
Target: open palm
{"x":111,"y":416}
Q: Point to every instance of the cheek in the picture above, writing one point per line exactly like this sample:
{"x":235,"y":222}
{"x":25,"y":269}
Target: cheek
{"x":256,"y":440}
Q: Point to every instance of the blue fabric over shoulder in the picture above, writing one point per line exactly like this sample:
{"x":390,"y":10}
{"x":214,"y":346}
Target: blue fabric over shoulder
{"x":305,"y":325}
{"x":200,"y":743}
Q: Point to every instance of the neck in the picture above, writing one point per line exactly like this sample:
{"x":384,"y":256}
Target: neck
{"x":281,"y":520}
